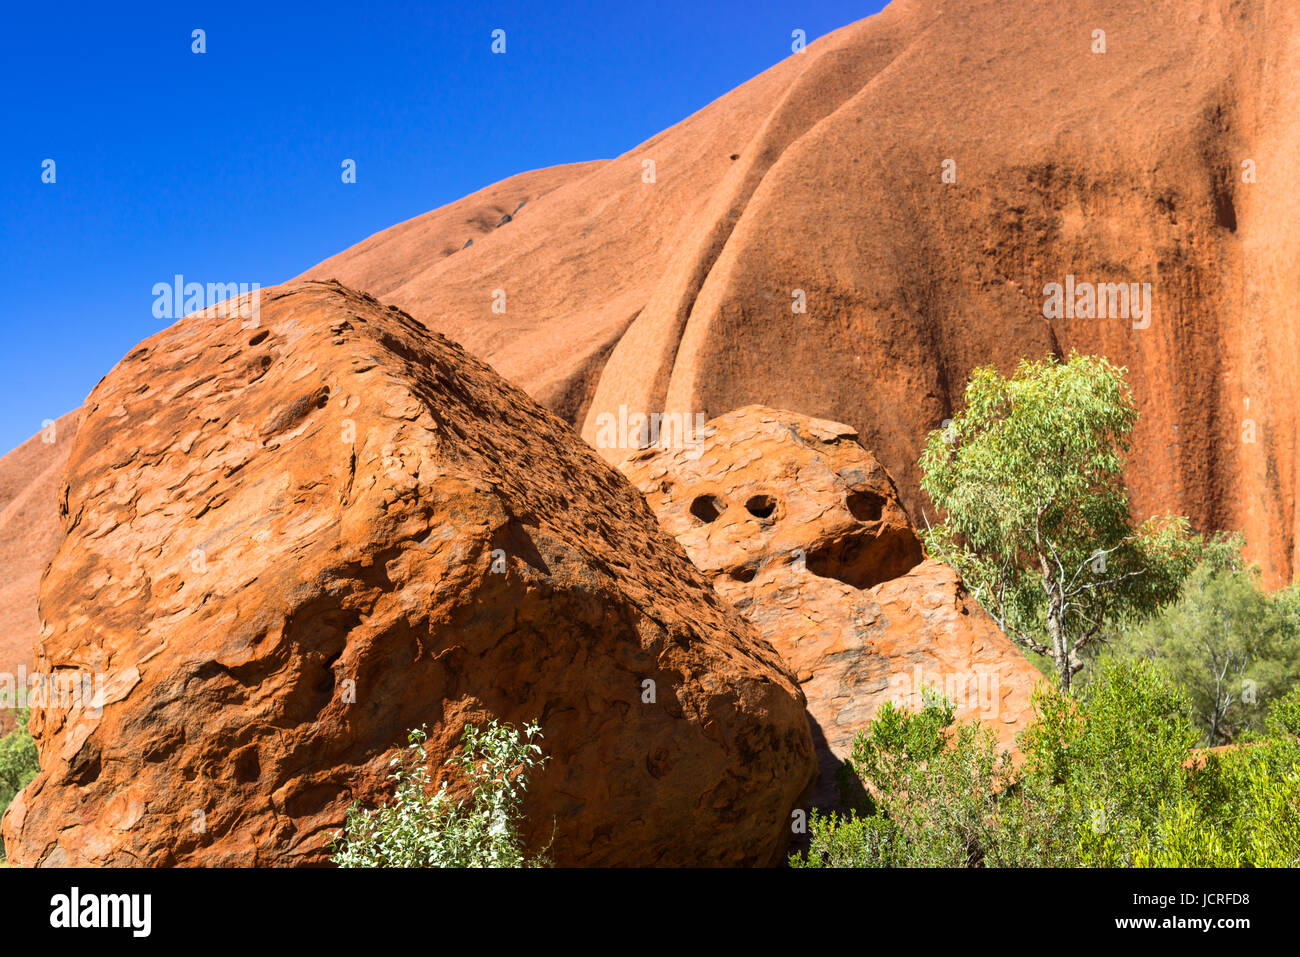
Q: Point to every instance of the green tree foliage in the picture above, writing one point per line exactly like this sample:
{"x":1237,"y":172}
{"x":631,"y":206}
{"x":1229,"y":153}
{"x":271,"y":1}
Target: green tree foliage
{"x":939,"y":795}
{"x":1110,"y":778}
{"x":1030,"y":478}
{"x":1106,"y":761}
{"x":17,"y":761}
{"x":423,"y":827}
{"x":1234,"y":647}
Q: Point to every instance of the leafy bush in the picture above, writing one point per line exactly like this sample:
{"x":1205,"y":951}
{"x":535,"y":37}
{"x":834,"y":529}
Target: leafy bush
{"x":1233,"y":646}
{"x":1110,"y":778}
{"x":1107,"y":761}
{"x":940,"y":795}
{"x":423,"y":827}
{"x":1241,"y":808}
{"x":933,"y":786}
{"x":17,"y":762}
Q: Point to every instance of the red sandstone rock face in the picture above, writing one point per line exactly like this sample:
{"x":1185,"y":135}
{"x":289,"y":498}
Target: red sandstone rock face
{"x":30,"y":476}
{"x":260,"y":520}
{"x":825,"y":174}
{"x":801,"y":529}
{"x":1122,"y":166}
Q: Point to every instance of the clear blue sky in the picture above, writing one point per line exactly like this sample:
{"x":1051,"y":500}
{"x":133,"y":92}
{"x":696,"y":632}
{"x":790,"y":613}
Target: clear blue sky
{"x":225,"y":166}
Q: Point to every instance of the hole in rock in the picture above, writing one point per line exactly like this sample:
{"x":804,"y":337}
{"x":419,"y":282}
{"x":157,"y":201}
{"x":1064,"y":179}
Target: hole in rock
{"x":706,"y":508}
{"x":866,"y":506}
{"x":85,"y":767}
{"x":863,"y":560}
{"x":259,"y":338}
{"x":761,"y":506}
{"x":745,"y":573}
{"x":246,"y":765}
{"x":257,"y":368}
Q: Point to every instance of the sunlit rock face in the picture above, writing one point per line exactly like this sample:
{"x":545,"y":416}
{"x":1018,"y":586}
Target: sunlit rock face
{"x":286,"y":545}
{"x":801,"y":529}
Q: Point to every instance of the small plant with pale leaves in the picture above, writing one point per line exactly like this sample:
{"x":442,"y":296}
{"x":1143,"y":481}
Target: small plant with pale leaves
{"x":423,"y":827}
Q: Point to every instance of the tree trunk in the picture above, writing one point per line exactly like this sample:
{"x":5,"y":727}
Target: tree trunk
{"x":1056,"y":628}
{"x":1056,"y":620}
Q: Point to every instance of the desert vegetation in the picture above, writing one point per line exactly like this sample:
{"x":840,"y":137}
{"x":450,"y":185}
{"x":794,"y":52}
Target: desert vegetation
{"x":1161,"y":640}
{"x":17,"y":762}
{"x":1111,"y":778}
{"x":1031,"y":478}
{"x":426,"y":827}
{"x":1231,"y":645}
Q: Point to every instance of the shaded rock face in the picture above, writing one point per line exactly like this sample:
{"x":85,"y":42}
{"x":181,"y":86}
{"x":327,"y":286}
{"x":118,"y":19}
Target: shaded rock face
{"x":802,"y":530}
{"x":915,"y":181}
{"x":286,"y":545}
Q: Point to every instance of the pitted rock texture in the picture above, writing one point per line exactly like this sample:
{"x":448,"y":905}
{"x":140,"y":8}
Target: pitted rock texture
{"x":802,"y":530}
{"x":286,"y":545}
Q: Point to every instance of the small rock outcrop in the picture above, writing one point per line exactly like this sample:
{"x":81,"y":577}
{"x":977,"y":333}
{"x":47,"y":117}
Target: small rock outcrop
{"x":287,"y":544}
{"x":802,"y":530}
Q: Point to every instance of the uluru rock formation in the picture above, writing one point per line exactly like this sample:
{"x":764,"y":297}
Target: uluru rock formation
{"x":801,"y":529}
{"x":846,"y":235}
{"x":914,"y":182}
{"x":286,"y":545}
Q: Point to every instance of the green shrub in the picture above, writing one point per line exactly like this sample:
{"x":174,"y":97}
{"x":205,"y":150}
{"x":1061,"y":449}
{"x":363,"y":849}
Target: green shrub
{"x":423,"y":827}
{"x":940,"y":795}
{"x":17,"y":762}
{"x":1232,"y":645}
{"x":1108,"y":760}
{"x":1110,"y":778}
{"x":1284,"y":718}
{"x":850,"y":841}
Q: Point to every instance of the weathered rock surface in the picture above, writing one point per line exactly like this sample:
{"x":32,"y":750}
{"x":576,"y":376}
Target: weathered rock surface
{"x":801,"y":529}
{"x":30,"y":477}
{"x":286,"y":545}
{"x":825,"y":174}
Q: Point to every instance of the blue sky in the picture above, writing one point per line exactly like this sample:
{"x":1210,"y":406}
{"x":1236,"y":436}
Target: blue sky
{"x":225,"y":166}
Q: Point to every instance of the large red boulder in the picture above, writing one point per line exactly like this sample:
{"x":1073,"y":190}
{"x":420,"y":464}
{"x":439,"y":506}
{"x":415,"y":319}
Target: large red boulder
{"x":285,"y":545}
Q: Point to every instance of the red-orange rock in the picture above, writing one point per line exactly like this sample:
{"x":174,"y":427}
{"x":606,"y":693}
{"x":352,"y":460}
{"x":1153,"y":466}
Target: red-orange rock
{"x":286,"y":545}
{"x":30,"y":476}
{"x":914,"y":181}
{"x":919,"y":176}
{"x":802,"y":530}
